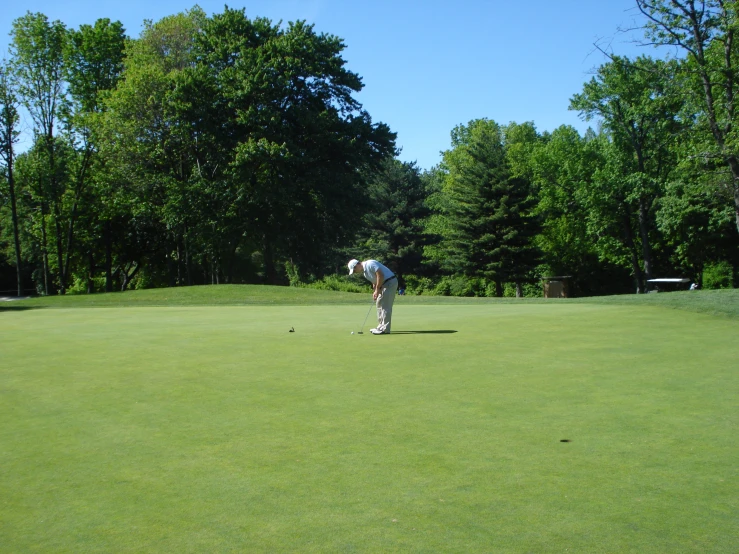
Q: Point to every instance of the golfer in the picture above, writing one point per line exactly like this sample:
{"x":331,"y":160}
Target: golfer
{"x":384,"y":287}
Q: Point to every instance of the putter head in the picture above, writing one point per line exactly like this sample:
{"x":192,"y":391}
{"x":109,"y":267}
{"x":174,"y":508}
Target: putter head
{"x":360,"y":333}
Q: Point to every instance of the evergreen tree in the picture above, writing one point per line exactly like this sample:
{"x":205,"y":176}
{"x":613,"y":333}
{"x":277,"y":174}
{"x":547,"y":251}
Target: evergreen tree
{"x":393,"y":226}
{"x":490,"y":227}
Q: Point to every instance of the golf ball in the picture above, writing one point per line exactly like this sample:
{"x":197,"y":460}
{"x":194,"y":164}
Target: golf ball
{"x":352,"y":332}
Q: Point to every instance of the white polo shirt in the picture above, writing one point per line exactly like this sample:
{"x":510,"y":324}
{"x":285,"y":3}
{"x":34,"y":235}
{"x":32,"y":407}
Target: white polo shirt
{"x":371,"y":267}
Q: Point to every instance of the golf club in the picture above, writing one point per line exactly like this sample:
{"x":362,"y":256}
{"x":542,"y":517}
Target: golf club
{"x":361,"y":330}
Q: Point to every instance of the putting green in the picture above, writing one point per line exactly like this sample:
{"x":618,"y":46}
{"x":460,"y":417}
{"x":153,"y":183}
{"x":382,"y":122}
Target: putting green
{"x":216,"y":429}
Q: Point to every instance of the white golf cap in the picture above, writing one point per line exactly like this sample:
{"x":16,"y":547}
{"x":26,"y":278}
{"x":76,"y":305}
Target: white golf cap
{"x":352,"y":263}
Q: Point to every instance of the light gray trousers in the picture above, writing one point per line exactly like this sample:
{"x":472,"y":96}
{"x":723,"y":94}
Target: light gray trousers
{"x":384,"y":305}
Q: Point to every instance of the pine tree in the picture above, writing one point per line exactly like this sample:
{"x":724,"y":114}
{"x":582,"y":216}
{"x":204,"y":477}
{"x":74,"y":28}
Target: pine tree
{"x":393,"y":225}
{"x":490,"y":226}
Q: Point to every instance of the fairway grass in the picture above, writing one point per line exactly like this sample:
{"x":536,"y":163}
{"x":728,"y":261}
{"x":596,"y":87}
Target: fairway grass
{"x":215,"y":429}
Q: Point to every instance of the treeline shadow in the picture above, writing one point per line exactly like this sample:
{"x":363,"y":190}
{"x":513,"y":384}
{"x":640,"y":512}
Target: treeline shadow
{"x":4,"y":308}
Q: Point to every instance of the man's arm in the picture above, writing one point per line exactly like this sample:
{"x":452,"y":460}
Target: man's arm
{"x":377,"y":284}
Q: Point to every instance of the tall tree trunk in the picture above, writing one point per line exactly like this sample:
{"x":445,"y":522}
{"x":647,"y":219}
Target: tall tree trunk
{"x":79,"y":189}
{"x":14,"y":214}
{"x":734,"y":166}
{"x":636,"y":270}
{"x":629,"y":239}
{"x":44,"y":249}
{"x":644,"y":233}
{"x":270,"y":272}
{"x":108,"y":257}
{"x":91,"y":272}
{"x":56,"y":198}
{"x":188,"y":270}
{"x":60,"y":252}
{"x":171,"y":278}
{"x":698,"y":271}
{"x":70,"y":240}
{"x":498,"y":289}
{"x":179,"y":262}
{"x":519,"y":290}
{"x":229,"y":274}
{"x":126,"y":276}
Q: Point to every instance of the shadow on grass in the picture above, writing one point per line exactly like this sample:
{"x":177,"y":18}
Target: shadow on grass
{"x":435,"y":332}
{"x":4,"y":308}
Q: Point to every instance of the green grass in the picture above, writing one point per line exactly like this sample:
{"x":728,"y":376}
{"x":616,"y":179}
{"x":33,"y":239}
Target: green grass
{"x":714,"y":302}
{"x":211,"y":428}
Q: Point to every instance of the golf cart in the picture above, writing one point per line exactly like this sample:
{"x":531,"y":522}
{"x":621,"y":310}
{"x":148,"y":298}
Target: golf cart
{"x":668,"y":284}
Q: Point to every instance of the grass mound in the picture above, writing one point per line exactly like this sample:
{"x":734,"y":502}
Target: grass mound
{"x":714,"y":302}
{"x":723,"y":302}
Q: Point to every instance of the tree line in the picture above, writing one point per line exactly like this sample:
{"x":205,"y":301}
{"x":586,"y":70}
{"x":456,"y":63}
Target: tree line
{"x":225,"y":149}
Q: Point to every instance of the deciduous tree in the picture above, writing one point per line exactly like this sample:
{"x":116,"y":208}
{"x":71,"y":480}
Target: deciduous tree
{"x":705,"y":31}
{"x":9,"y":131}
{"x":37,"y":54}
{"x":637,"y":105}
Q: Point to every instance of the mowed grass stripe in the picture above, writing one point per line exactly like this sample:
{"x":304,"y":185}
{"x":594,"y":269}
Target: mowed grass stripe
{"x":215,"y":429}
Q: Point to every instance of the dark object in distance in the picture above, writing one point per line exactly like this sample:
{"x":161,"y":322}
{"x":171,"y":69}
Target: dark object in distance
{"x":565,"y":440}
{"x":292,"y":330}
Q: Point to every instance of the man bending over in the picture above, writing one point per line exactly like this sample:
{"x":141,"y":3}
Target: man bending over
{"x":384,"y":287}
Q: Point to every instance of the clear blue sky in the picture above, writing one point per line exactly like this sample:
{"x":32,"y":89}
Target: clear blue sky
{"x":427,"y":65}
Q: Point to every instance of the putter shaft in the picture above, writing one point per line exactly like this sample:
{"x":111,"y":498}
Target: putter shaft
{"x":361,"y":330}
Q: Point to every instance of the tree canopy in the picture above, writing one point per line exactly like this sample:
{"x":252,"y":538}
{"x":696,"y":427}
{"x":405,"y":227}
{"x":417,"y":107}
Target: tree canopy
{"x":227,"y":149}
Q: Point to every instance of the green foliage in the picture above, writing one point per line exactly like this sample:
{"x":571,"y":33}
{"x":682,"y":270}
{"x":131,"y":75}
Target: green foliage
{"x":562,"y":167}
{"x":719,"y":275}
{"x":462,"y":286}
{"x":229,"y":135}
{"x":37,"y":57}
{"x":639,"y":107}
{"x":530,"y":290}
{"x":287,"y":99}
{"x":224,"y":149}
{"x":94,"y":62}
{"x":392,"y":227}
{"x":486,"y":222}
{"x":337,"y":283}
{"x":697,"y":224}
{"x":293,"y":274}
{"x":418,"y":285}
{"x":9,"y":117}
{"x":704,"y":32}
{"x":37,"y":54}
{"x":521,"y":141}
{"x":9,"y":132}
